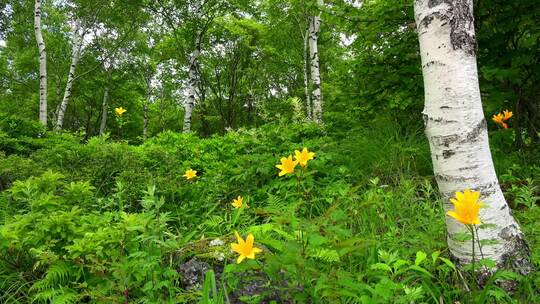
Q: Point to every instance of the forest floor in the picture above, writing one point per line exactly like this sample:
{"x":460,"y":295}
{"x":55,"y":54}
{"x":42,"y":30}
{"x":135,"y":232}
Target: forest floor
{"x":108,"y":222}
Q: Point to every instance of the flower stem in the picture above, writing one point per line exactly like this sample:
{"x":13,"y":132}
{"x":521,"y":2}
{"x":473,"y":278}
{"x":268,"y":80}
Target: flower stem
{"x":472,"y":232}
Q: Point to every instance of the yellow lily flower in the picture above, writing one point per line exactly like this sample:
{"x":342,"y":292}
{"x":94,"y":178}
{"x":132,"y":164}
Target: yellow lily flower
{"x":238,"y":202}
{"x":190,"y":174}
{"x":507,"y":115}
{"x":499,"y":119}
{"x":287,"y":165}
{"x":120,"y":111}
{"x":466,"y":207}
{"x":245,"y":248}
{"x":303,"y":157}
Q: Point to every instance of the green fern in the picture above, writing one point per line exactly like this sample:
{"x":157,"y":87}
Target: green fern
{"x":325,"y":255}
{"x":57,"y":275}
{"x":57,"y":296}
{"x":276,"y":204}
{"x":214,"y":221}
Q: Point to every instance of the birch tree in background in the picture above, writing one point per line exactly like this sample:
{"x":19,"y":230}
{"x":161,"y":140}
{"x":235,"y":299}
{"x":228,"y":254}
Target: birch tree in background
{"x":42,"y":64}
{"x":317,"y":100}
{"x":193,"y":76}
{"x":105,"y":101}
{"x":457,"y":130}
{"x":76,"y":43}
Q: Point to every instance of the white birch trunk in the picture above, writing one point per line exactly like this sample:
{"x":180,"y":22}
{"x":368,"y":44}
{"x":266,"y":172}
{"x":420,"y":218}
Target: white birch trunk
{"x":314,"y":26}
{"x":189,"y":103}
{"x":457,"y":132}
{"x":42,"y":64}
{"x":105,"y":105}
{"x":76,"y":43}
{"x":306,"y":77}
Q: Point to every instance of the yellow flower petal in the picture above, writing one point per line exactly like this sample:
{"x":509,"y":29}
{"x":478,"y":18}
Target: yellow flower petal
{"x":303,"y":157}
{"x":466,"y":207}
{"x":249,"y":240}
{"x":190,"y":174}
{"x":245,"y":249}
{"x":240,"y":259}
{"x":239,"y":239}
{"x":453,"y":214}
{"x":120,"y":111}
{"x":287,"y":165}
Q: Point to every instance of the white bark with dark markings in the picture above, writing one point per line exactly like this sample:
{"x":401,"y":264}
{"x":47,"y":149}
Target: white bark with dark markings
{"x":42,"y":64}
{"x":317,"y":101}
{"x":457,"y":132}
{"x":193,"y":70}
{"x":193,"y":77}
{"x":76,"y":43}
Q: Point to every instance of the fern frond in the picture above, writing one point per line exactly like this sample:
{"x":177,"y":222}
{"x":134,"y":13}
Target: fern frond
{"x":57,"y":275}
{"x":325,"y":255}
{"x":57,"y":296}
{"x":214,"y":221}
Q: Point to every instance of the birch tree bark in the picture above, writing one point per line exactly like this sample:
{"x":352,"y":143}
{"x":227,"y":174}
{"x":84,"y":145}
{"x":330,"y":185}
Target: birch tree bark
{"x":42,"y":64}
{"x":105,"y":104}
{"x":314,"y":26}
{"x":189,"y":104}
{"x":457,"y":132}
{"x":193,"y":71}
{"x":76,"y":43}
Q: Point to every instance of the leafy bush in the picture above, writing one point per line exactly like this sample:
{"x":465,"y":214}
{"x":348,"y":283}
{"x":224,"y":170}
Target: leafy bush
{"x":17,"y":127}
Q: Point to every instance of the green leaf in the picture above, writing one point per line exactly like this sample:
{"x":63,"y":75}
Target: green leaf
{"x":448,"y":262}
{"x":420,"y":269}
{"x":462,"y":237}
{"x":489,"y":242}
{"x":381,"y":266}
{"x":420,"y":257}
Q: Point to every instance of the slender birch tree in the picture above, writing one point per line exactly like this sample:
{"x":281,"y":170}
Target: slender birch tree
{"x":204,"y":13}
{"x":193,"y":76}
{"x":317,"y":101}
{"x":42,"y":64}
{"x":105,"y":102}
{"x":76,"y":43}
{"x":457,"y":131}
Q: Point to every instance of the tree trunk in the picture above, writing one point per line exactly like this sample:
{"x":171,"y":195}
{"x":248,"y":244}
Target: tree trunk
{"x":42,"y":64}
{"x":533,"y":119}
{"x":314,"y":26}
{"x":192,"y":85}
{"x":457,"y":132}
{"x":105,"y":105}
{"x":145,"y":112}
{"x":306,"y":76}
{"x":76,"y":43}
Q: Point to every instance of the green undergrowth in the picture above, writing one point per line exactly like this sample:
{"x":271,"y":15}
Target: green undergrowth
{"x":109,"y":222}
